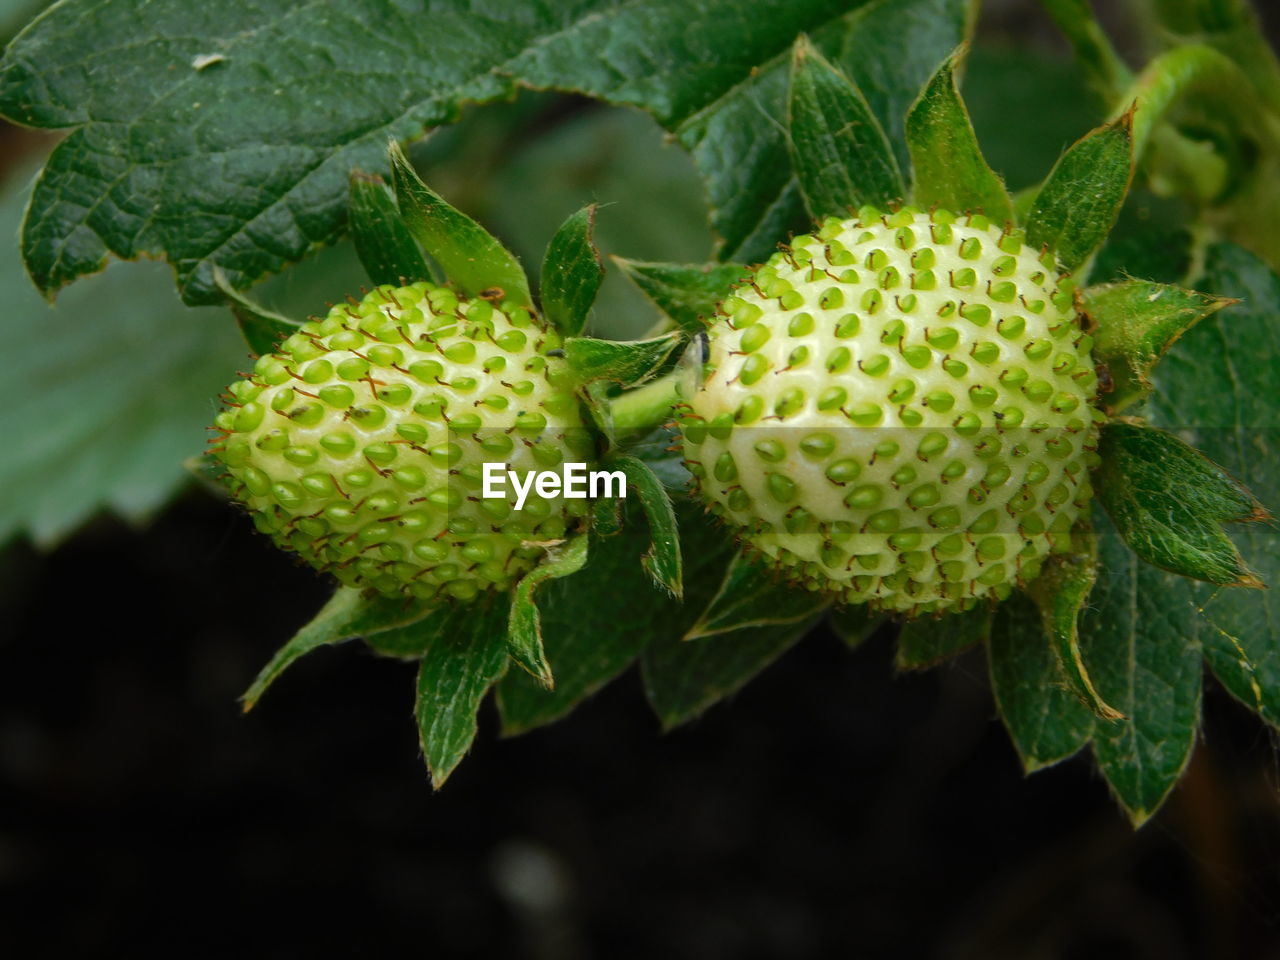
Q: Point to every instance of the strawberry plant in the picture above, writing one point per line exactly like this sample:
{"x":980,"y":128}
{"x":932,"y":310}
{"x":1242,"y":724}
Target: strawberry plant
{"x":896,"y":397}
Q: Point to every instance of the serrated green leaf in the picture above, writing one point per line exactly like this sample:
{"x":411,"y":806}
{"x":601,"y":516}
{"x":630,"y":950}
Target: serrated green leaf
{"x":383,"y":242}
{"x":571,"y":274}
{"x":854,"y":624}
{"x":751,"y":595}
{"x":687,"y":293}
{"x":261,"y":328}
{"x":465,"y":655}
{"x":840,"y":154}
{"x":471,"y":257}
{"x":347,"y":614}
{"x":627,"y":362}
{"x":1134,"y":323}
{"x":1045,"y":720}
{"x":1217,"y":389}
{"x":524,"y":632}
{"x":1080,"y":200}
{"x":186,"y":151}
{"x":1060,"y":593}
{"x":1169,"y":502}
{"x":663,"y":561}
{"x":927,"y":642}
{"x":1140,"y":634}
{"x":948,"y":169}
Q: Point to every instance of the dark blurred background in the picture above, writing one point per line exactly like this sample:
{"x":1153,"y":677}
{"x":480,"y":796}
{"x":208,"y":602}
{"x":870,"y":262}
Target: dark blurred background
{"x":832,"y":809}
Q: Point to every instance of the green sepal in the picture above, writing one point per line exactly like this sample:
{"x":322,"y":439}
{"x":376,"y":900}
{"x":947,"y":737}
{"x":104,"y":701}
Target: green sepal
{"x":685,"y":293}
{"x":948,"y":169}
{"x":571,"y":274}
{"x":1134,"y":323}
{"x":1169,"y":502}
{"x":854,"y":624}
{"x":524,"y":631}
{"x":606,"y":516}
{"x":751,"y":595}
{"x":928,"y":641}
{"x":628,"y":362}
{"x":262,"y":328}
{"x":383,"y":242}
{"x":1060,"y":593}
{"x":663,"y":560}
{"x":464,"y":655}
{"x":1044,"y":718}
{"x":348,"y":614}
{"x":1141,"y":638}
{"x":1082,"y":196}
{"x":839,"y":151}
{"x":471,"y":257}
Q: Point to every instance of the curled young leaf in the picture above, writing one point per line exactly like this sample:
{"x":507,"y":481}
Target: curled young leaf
{"x":663,"y":561}
{"x":524,"y":636}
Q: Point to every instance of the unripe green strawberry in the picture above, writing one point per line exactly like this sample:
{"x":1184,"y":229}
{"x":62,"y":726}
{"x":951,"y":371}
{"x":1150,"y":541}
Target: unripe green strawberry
{"x":359,"y":443}
{"x":899,"y":411}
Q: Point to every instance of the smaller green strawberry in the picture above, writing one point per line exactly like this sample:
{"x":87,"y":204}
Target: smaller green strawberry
{"x":360,"y":443}
{"x":899,"y":410}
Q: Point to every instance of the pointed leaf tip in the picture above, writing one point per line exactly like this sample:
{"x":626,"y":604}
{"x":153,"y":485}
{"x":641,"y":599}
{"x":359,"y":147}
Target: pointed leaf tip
{"x":383,"y":242}
{"x":572,"y":272}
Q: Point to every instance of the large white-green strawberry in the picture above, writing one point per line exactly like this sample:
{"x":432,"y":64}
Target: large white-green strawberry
{"x":359,"y":442}
{"x":898,"y":410}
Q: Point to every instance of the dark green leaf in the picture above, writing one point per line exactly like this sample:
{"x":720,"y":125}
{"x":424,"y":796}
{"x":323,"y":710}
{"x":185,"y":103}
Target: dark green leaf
{"x":663,"y":559}
{"x":1140,"y":634}
{"x":1217,"y":388}
{"x":683,"y":679}
{"x":948,"y":169}
{"x":347,"y":615}
{"x":470,"y":255}
{"x":854,"y":624}
{"x":225,"y":134}
{"x":1134,"y":323}
{"x":688,"y":294}
{"x":1046,"y":721}
{"x":1169,"y":503}
{"x":384,"y":244}
{"x":591,"y":642}
{"x":1081,"y":199}
{"x":571,"y":274}
{"x":889,"y":48}
{"x":627,"y":362}
{"x":524,"y":637}
{"x":262,"y":329}
{"x":839,"y":152}
{"x":927,"y":642}
{"x":1060,"y":593}
{"x":465,"y":654}
{"x":751,"y":595}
